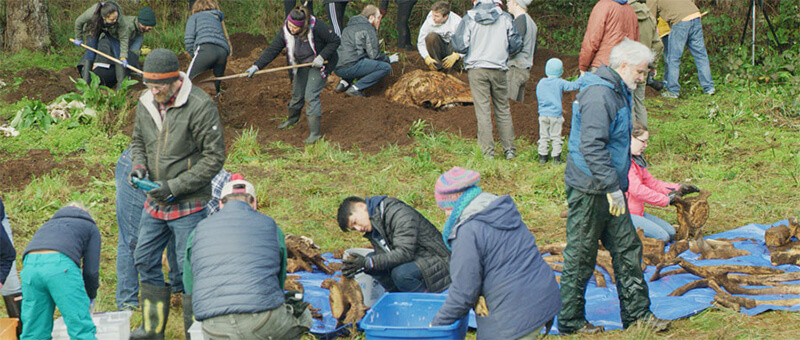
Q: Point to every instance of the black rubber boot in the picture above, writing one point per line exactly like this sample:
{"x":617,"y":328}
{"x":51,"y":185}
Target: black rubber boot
{"x":14,"y":308}
{"x":86,"y":70}
{"x":556,"y":159}
{"x":293,"y":118}
{"x":542,"y":159}
{"x":120,"y":72}
{"x":155,"y":312}
{"x":188,"y":314}
{"x":313,"y":129}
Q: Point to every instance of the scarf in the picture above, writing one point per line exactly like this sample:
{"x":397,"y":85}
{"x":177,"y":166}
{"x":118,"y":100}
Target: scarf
{"x":461,"y":204}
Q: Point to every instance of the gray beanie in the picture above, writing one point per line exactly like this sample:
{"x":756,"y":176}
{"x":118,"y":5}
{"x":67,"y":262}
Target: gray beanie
{"x":161,"y":67}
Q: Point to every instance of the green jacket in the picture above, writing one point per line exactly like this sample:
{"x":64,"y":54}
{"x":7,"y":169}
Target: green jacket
{"x":132,"y":31}
{"x":186,"y":149}
{"x":648,"y":31}
{"x":120,"y":30}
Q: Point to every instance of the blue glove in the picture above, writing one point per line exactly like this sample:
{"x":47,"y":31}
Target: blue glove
{"x":124,"y":62}
{"x":250,"y":71}
{"x":77,"y":42}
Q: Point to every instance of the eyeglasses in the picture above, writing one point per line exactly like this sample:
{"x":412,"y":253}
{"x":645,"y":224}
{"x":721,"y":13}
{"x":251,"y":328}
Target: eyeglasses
{"x":643,"y":141}
{"x":158,"y":87}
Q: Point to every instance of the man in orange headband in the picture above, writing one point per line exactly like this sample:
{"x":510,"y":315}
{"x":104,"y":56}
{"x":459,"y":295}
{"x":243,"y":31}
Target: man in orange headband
{"x":177,"y":142}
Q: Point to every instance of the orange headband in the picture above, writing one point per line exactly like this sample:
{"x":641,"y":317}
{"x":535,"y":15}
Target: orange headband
{"x":157,"y":76}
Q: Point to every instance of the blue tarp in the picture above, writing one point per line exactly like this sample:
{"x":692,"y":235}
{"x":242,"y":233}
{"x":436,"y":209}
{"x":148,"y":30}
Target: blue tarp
{"x":602,"y":304}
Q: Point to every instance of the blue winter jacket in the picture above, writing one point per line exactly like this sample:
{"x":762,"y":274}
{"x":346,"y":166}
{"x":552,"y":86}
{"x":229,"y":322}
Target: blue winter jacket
{"x":205,"y":28}
{"x":549,"y":93}
{"x":600,"y":137}
{"x":488,"y":32}
{"x":236,"y":262}
{"x":495,"y":256}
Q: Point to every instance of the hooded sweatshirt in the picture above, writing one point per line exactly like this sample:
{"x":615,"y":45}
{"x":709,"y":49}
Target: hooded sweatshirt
{"x":495,"y":256}
{"x":486,"y":36}
{"x":611,"y":21}
{"x":444,"y":30}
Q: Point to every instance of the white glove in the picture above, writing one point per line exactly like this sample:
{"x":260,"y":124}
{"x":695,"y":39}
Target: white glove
{"x":394,"y":58}
{"x":318,"y":61}
{"x":250,"y":71}
{"x":616,"y":202}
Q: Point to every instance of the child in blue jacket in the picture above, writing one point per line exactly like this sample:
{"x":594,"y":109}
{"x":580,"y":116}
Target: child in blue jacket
{"x":548,"y":94}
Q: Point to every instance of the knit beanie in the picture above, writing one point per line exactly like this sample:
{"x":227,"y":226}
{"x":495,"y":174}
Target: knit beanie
{"x":452,"y":184}
{"x":147,"y":17}
{"x":161,"y":67}
{"x":554,"y":68}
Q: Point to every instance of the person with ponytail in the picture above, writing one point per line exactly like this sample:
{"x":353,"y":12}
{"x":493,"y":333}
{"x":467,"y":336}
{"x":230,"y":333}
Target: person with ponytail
{"x":104,"y":18}
{"x":307,"y":41}
{"x":207,"y":40}
{"x":494,"y":263}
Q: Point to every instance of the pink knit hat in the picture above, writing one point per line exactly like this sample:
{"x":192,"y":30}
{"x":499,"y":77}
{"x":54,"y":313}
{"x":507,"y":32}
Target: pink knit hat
{"x":452,"y":184}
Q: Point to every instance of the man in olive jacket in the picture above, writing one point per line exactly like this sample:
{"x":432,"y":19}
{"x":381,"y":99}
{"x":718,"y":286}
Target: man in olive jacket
{"x":177,"y":142}
{"x":409,"y":256}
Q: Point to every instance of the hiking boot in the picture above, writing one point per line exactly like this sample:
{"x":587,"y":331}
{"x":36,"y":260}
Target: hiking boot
{"x":667,"y":94}
{"x":155,"y":311}
{"x":292,"y":119}
{"x":354,"y":92}
{"x":588,"y":328}
{"x":542,"y":159}
{"x":653,"y":323}
{"x":510,"y":154}
{"x":313,"y":129}
{"x":341,"y":86}
{"x":557,"y":159}
{"x":711,"y":92}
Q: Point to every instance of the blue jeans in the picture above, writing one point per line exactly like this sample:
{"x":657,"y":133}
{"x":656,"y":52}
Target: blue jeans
{"x":368,"y":72}
{"x":654,"y":227}
{"x":406,"y":277}
{"x":130,"y":204}
{"x":687,"y":34}
{"x":154,"y":235}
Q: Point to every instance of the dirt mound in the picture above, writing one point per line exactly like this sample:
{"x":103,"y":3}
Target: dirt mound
{"x":19,"y":172}
{"x":244,"y":43}
{"x":38,"y":83}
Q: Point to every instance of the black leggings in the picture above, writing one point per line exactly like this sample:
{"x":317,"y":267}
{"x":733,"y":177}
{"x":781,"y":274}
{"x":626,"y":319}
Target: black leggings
{"x":288,"y":5}
{"x":209,"y":56}
{"x":403,"y":13}
{"x":335,"y":11}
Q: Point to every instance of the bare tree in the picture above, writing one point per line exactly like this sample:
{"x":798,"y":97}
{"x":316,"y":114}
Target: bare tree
{"x":27,"y":25}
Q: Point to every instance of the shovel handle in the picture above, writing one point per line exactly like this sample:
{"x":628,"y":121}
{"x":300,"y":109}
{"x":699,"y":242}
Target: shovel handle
{"x":107,"y":56}
{"x":241,"y":75}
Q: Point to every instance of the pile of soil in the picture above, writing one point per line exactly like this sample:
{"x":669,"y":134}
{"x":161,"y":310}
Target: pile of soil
{"x":19,"y":172}
{"x":41,"y":84}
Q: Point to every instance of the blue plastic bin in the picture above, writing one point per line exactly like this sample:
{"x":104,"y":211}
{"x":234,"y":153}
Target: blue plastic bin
{"x":408,"y":316}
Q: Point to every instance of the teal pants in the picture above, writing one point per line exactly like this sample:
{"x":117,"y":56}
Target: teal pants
{"x":588,"y":220}
{"x":50,"y":280}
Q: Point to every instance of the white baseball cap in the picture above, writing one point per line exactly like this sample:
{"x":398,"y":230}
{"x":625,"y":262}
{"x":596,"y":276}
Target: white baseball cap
{"x":238,"y":185}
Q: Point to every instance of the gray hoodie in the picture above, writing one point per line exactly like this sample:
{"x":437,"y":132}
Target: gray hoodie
{"x":487,"y":37}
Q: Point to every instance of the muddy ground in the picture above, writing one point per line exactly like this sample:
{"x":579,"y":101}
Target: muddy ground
{"x":368,"y":123}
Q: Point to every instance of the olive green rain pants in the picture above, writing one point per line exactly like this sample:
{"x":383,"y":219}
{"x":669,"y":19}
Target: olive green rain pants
{"x":588,"y":221}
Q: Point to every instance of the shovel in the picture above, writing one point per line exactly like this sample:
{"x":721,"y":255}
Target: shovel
{"x":242,"y":75}
{"x":107,"y":56}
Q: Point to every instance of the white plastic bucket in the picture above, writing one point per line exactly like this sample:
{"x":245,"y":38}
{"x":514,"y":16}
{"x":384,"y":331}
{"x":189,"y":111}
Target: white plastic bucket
{"x":370,"y":287}
{"x":196,"y":331}
{"x":109,"y":325}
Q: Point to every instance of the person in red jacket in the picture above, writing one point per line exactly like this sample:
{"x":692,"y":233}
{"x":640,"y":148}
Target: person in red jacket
{"x":644,"y":188}
{"x":611,"y":21}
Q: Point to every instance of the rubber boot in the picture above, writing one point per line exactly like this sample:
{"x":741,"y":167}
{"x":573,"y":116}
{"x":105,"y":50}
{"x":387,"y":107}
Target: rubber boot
{"x":556,"y":159}
{"x":542,"y":159}
{"x":86,"y":70}
{"x":188,"y":314}
{"x":313,"y":129}
{"x":293,"y":118}
{"x":14,"y":308}
{"x":155,"y":311}
{"x":120,"y":72}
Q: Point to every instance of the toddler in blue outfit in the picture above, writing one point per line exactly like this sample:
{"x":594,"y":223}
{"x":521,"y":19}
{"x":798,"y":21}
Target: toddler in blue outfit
{"x":548,"y":94}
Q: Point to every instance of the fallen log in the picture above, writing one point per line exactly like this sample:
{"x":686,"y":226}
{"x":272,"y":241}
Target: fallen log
{"x":791,"y":256}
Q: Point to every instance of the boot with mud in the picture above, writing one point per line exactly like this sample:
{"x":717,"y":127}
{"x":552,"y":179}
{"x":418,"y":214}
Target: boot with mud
{"x":292,"y":118}
{"x":313,"y":129}
{"x":188,"y":314}
{"x":588,"y":328}
{"x":155,"y":311}
{"x":14,"y":308}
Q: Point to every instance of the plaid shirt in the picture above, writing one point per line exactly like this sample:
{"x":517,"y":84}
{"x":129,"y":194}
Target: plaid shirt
{"x":173,"y":211}
{"x":219,"y":181}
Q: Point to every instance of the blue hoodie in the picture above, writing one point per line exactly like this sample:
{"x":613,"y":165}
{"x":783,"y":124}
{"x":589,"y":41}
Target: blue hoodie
{"x":495,"y":256}
{"x":549,"y":94}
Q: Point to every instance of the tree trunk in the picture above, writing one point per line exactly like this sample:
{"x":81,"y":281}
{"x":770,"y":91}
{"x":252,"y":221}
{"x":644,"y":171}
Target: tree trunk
{"x":27,"y":26}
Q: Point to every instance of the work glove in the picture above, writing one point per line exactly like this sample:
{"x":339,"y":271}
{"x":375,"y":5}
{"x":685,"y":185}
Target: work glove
{"x":295,"y":299}
{"x":139,"y":172}
{"x":616,"y":202}
{"x":124,"y":62}
{"x":685,"y":189}
{"x":77,"y":42}
{"x":250,"y":71}
{"x":162,"y":194}
{"x":673,"y":196}
{"x":394,"y":58}
{"x":383,"y":12}
{"x":432,"y":63}
{"x":318,"y":62}
{"x":450,"y":60}
{"x":355,"y":264}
